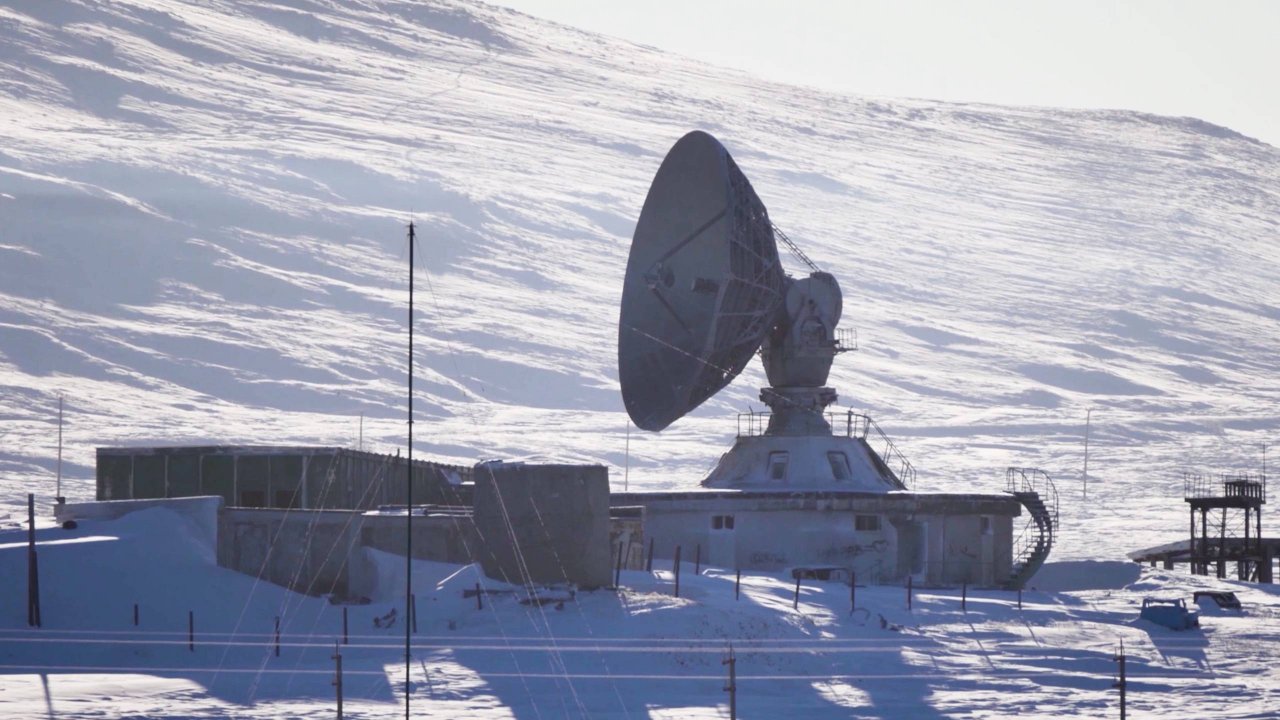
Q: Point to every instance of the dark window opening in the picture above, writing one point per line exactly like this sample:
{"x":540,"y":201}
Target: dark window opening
{"x":839,"y":465}
{"x":866,"y":523}
{"x":721,"y":522}
{"x":778,"y":465}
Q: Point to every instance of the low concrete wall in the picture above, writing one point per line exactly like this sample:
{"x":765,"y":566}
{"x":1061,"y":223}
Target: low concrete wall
{"x":321,"y":552}
{"x":201,"y":511}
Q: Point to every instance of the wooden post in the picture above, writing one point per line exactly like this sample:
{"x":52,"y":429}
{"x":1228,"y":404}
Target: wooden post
{"x":135,"y":614}
{"x":33,"y":566}
{"x":277,"y":636}
{"x":617,"y":570}
{"x":964,"y":597}
{"x":337,"y":677}
{"x":853,"y":591}
{"x":344,"y":624}
{"x":697,"y":559}
{"x":191,"y":630}
{"x":908,"y":592}
{"x":413,"y":612}
{"x":795,"y":601}
{"x":677,"y":569}
{"x":648,"y":566}
{"x":479,"y":598}
{"x":737,"y":583}
{"x":732,"y":687}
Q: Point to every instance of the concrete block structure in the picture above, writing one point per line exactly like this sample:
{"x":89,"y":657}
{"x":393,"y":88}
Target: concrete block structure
{"x":541,"y":524}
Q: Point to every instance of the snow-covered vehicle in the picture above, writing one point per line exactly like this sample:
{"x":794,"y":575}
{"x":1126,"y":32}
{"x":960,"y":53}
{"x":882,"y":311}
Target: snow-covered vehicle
{"x":1171,"y":613}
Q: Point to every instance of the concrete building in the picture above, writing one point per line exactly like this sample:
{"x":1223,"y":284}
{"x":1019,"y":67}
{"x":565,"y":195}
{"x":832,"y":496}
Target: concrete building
{"x":274,"y":477}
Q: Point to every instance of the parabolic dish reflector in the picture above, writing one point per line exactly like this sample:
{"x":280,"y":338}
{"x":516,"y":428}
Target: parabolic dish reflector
{"x":703,"y":284}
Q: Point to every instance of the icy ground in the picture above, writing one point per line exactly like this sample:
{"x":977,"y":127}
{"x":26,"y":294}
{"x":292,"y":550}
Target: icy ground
{"x":637,"y":653}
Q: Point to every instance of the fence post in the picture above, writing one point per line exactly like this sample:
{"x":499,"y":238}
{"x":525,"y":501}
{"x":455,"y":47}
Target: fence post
{"x":737,"y":583}
{"x":191,"y":630}
{"x":732,"y":687}
{"x":135,"y":614}
{"x":697,"y":559}
{"x":908,"y":592}
{"x":344,"y":624}
{"x":795,"y":601}
{"x":1019,"y":598}
{"x":337,"y":677}
{"x":413,"y":612}
{"x":677,"y":568}
{"x":1122,"y":684}
{"x":964,"y":597}
{"x":853,"y":591}
{"x":277,"y":636}
{"x":33,"y":566}
{"x":617,"y":571}
{"x":648,"y":566}
{"x":479,"y":598}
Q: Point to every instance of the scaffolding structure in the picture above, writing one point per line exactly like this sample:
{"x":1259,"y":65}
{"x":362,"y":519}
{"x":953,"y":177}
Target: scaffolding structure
{"x":1230,"y":525}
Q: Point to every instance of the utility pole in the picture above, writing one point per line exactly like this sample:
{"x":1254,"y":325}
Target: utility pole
{"x":732,"y":687}
{"x":1088,"y":418}
{"x":58,"y":493}
{"x":408,"y":500}
{"x":1122,"y":683}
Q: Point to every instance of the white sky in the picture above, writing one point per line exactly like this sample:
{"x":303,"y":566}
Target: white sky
{"x":1217,"y":60}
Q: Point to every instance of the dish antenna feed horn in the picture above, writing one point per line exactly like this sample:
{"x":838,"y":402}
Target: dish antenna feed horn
{"x":705,"y":290}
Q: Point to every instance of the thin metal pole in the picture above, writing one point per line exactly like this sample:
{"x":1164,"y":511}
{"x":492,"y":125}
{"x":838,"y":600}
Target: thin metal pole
{"x":795,"y":601}
{"x":277,"y":636}
{"x":1122,"y":683}
{"x":344,"y":624}
{"x":58,"y":492}
{"x":408,"y":533}
{"x":737,"y":583}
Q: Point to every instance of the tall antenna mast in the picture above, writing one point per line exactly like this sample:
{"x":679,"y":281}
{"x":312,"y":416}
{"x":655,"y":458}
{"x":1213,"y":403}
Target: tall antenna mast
{"x":58,"y":493}
{"x":408,"y":534}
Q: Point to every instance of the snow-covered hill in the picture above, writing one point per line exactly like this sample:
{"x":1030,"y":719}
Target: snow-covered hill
{"x":202,"y":238}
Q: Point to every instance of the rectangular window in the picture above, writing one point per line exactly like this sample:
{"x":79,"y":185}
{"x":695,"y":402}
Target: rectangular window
{"x":721,"y":522}
{"x":866,"y":523}
{"x":778,"y":465}
{"x":839,"y":465}
{"x":253,"y":498}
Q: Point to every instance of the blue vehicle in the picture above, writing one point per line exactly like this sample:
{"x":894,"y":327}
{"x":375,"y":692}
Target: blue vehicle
{"x":1169,"y":613}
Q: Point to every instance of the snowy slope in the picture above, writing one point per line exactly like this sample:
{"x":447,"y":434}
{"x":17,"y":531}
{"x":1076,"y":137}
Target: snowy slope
{"x":203,"y":209}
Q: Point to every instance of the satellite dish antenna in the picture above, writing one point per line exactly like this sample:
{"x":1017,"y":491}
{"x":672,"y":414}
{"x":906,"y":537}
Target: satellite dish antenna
{"x":705,"y":290}
{"x":703,"y":284}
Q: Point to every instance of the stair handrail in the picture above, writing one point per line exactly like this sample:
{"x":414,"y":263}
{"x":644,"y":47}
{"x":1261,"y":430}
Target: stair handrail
{"x":860,"y":425}
{"x":1030,"y":479}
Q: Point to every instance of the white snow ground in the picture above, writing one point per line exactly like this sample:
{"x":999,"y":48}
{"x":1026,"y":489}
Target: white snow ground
{"x":202,"y":210}
{"x":638,"y":653}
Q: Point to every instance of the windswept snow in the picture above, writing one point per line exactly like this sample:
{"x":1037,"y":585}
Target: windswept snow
{"x":637,"y":653}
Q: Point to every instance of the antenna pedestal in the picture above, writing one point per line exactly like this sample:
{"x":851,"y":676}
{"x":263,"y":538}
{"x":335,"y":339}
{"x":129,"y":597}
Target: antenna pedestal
{"x":798,"y":410}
